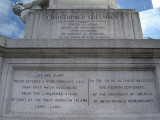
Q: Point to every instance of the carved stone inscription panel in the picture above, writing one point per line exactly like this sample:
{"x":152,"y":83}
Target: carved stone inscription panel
{"x":81,"y":24}
{"x":83,"y":92}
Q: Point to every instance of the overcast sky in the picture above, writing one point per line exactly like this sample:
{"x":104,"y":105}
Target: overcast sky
{"x":156,"y":3}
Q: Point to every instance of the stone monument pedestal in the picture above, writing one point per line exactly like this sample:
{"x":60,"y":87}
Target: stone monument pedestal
{"x":80,"y":64}
{"x":83,"y":24}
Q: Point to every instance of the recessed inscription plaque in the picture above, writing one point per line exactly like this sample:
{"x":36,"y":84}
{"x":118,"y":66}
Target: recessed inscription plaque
{"x":83,"y":92}
{"x":82,"y":24}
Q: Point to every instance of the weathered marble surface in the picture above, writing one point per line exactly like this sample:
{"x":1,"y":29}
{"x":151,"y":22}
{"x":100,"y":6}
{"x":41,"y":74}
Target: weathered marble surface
{"x":83,"y":24}
{"x":95,"y":70}
{"x":80,"y":64}
{"x":82,"y":91}
{"x":82,"y":4}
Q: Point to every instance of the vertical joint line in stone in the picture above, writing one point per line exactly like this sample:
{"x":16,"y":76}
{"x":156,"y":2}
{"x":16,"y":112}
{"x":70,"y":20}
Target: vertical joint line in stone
{"x":133,"y":25}
{"x":4,"y":95}
{"x":88,"y":91}
{"x":157,"y":86}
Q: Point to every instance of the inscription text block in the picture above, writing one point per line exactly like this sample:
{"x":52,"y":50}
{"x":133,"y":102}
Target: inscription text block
{"x":83,"y":92}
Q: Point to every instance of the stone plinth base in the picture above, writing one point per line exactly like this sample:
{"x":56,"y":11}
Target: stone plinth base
{"x":75,"y":79}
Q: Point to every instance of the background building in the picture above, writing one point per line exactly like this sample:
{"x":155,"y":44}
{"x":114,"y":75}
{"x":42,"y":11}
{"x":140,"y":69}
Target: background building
{"x":139,"y":5}
{"x":156,"y":3}
{"x":11,"y":25}
{"x":150,"y":21}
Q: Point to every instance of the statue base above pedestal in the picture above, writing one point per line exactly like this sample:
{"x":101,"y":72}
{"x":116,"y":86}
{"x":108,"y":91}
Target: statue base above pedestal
{"x":59,"y":6}
{"x":81,"y":4}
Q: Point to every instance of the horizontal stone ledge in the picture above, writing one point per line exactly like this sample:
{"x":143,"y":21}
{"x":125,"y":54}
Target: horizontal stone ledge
{"x":77,"y":52}
{"x":107,"y":10}
{"x":71,"y":48}
{"x":82,"y":43}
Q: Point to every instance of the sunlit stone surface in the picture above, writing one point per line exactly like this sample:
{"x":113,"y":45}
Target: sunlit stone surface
{"x":70,"y":4}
